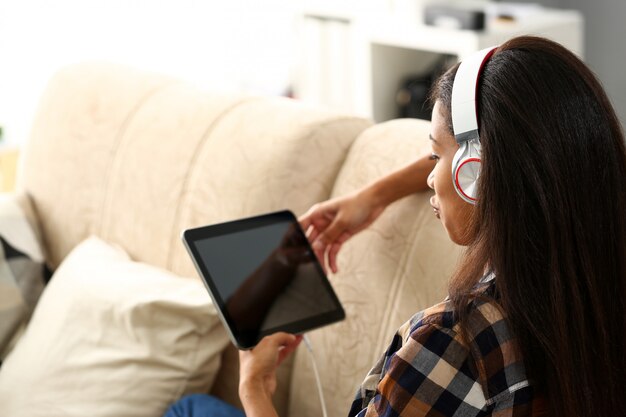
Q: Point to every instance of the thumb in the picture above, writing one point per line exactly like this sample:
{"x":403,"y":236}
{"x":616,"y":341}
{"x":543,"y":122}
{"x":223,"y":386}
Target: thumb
{"x":332,"y":232}
{"x":281,"y":338}
{"x":288,"y":349}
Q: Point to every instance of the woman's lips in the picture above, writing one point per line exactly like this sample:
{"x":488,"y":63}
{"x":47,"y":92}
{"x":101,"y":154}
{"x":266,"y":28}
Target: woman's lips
{"x":435,"y":208}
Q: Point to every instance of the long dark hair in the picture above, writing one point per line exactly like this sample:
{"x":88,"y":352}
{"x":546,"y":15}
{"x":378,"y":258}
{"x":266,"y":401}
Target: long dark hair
{"x":551,"y":221}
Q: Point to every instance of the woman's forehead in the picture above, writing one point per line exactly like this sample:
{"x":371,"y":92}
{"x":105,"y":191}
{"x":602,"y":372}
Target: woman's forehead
{"x":440,"y":134}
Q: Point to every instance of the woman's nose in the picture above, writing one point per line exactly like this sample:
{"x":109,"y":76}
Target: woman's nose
{"x":431,"y":179}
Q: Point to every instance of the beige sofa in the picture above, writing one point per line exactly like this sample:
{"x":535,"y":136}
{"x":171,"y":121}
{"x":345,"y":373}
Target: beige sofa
{"x":136,"y":157}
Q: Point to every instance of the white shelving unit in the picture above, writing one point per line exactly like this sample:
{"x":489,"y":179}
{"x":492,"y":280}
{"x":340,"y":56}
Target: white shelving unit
{"x":356,"y":63}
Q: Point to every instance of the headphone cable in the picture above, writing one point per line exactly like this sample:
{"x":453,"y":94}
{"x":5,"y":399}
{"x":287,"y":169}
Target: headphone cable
{"x":309,"y":347}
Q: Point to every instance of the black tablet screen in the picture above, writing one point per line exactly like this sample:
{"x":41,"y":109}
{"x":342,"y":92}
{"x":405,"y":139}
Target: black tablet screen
{"x":264,"y":275}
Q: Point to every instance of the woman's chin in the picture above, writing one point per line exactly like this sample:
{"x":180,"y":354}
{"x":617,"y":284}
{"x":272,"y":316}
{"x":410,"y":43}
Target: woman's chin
{"x":456,"y":236}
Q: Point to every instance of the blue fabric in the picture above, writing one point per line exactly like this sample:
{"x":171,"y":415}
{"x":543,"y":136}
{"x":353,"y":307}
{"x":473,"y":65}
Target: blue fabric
{"x":202,"y":405}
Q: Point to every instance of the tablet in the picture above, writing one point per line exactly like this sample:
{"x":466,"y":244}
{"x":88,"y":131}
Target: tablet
{"x":263,"y":277}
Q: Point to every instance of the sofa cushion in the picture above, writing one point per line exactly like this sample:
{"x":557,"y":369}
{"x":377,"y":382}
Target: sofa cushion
{"x":112,"y":337}
{"x":21,"y":268}
{"x":177,"y":156}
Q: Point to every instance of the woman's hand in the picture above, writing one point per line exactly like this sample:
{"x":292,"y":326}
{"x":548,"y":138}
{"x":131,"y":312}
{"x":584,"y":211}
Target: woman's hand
{"x":257,"y":372}
{"x":329,"y":224}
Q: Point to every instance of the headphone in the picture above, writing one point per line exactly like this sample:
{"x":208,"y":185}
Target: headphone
{"x":466,"y":162}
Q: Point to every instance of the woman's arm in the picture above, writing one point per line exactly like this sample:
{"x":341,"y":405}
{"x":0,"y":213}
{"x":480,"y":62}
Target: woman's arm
{"x":256,"y":403}
{"x":257,"y":372}
{"x":329,"y":224}
{"x":403,"y":182}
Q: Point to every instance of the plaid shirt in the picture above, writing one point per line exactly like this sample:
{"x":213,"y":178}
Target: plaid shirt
{"x":429,"y":370}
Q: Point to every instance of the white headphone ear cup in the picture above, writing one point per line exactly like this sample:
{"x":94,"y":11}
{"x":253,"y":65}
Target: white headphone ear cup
{"x":466,"y":179}
{"x":466,"y":170}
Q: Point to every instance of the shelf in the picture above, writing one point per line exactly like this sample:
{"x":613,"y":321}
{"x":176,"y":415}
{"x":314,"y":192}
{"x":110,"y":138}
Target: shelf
{"x":361,"y":70}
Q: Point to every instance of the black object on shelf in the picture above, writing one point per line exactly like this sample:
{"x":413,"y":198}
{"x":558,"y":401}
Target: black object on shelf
{"x":454,"y":17}
{"x":412,"y":97}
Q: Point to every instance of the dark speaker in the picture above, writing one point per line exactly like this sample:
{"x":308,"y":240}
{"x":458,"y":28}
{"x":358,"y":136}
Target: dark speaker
{"x":454,"y":16}
{"x":412,"y":96}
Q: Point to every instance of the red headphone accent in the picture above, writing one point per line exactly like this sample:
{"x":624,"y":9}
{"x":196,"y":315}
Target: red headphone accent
{"x":456,"y":177}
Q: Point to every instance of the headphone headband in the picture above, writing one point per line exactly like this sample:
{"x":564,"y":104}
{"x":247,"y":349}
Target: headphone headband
{"x":464,"y":91}
{"x":466,"y":162}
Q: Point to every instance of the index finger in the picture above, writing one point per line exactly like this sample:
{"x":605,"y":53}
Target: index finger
{"x":305,"y":222}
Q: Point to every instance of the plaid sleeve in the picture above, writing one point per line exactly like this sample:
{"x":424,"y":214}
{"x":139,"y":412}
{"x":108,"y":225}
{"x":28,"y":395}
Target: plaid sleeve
{"x":435,"y":373}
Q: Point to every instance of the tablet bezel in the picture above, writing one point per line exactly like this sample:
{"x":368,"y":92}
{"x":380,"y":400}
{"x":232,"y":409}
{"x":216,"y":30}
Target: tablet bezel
{"x":247,"y":340}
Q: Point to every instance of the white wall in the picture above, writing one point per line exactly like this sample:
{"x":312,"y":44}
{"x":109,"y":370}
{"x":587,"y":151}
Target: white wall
{"x":243,"y":45}
{"x":605,"y":44}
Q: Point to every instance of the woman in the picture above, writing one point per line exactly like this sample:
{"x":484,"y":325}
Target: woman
{"x":535,"y":322}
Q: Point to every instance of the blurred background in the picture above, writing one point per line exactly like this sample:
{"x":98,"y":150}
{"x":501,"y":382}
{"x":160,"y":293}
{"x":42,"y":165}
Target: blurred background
{"x":368,"y":57}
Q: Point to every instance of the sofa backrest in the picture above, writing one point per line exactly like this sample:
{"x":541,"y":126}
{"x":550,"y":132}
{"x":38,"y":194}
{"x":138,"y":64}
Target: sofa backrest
{"x":135,"y":158}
